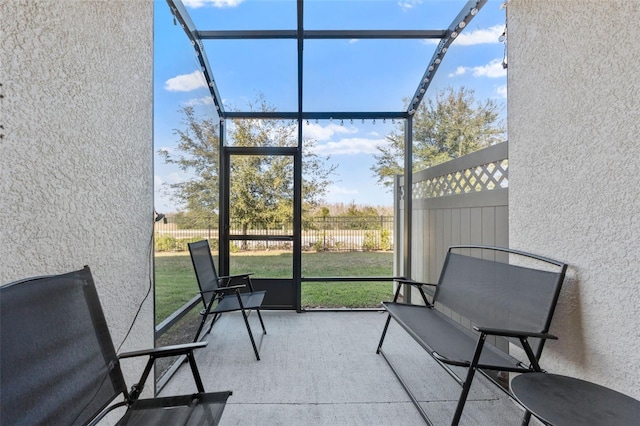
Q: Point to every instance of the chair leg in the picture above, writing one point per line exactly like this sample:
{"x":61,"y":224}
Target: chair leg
{"x":526,"y":418}
{"x":264,"y":330}
{"x":213,"y":321}
{"x":204,"y":319}
{"x":253,"y":342}
{"x":384,"y":333}
{"x":467,"y":383}
{"x":195,"y":372}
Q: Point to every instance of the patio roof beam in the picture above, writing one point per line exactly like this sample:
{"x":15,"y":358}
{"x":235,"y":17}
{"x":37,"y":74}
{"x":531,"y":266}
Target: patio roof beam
{"x":300,"y":45}
{"x":180,"y":13}
{"x":375,"y":34}
{"x":467,"y":13}
{"x":319,"y":34}
{"x":278,"y":115}
{"x":296,"y":265}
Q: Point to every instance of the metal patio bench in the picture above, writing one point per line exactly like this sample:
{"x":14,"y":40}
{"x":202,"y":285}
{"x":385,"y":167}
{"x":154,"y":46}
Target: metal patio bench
{"x":219,"y":294}
{"x":499,"y":299}
{"x":59,"y":365}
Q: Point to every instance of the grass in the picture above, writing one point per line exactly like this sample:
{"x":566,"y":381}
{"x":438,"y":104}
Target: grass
{"x":348,"y":294}
{"x":176,"y":283}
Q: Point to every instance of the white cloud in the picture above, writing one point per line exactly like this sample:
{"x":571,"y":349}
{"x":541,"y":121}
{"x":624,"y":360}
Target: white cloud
{"x":157,"y":181}
{"x":408,"y":4}
{"x":350,"y":146}
{"x":173,"y":177}
{"x":176,"y":177}
{"x":186,"y":82}
{"x":459,"y":71}
{"x":340,"y":190}
{"x":480,"y":36}
{"x":194,"y":4}
{"x":471,"y":38}
{"x":207,"y":100}
{"x":493,"y":69}
{"x":323,"y":133}
{"x":502,"y":91}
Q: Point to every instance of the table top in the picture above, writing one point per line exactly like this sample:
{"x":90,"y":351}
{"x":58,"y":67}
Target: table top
{"x":561,"y":400}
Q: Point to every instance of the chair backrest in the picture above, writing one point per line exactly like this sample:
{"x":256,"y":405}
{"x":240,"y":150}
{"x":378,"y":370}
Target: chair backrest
{"x":58,"y":362}
{"x":204,"y":268}
{"x":493,"y":292}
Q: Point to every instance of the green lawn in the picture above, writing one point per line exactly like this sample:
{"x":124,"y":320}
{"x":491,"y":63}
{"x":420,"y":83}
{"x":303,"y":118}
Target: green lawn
{"x":176,"y":283}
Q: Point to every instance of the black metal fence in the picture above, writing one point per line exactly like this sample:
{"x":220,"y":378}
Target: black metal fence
{"x":329,"y":233}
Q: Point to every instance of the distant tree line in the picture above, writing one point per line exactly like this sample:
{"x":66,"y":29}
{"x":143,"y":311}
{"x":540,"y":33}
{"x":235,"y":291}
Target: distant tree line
{"x":350,"y":216}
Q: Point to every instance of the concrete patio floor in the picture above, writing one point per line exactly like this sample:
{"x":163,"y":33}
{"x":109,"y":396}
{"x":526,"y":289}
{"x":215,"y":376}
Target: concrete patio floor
{"x":321,"y":368}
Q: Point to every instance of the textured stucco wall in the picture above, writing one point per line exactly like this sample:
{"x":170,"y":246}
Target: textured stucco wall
{"x":574,"y":142}
{"x":76,"y":156}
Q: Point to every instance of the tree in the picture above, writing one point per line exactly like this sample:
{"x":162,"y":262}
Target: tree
{"x":197,"y":153}
{"x":365,"y":217}
{"x":261,"y":186}
{"x":448,"y":127}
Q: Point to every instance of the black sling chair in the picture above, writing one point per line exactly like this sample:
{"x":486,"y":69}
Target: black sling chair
{"x":59,"y":366}
{"x":219,"y":295}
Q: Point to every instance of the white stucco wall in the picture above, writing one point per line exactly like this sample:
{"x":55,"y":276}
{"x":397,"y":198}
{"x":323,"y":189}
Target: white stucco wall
{"x":76,"y":157}
{"x":574,"y":142}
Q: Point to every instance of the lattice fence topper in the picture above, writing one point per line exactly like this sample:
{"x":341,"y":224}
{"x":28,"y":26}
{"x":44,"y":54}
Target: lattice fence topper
{"x":486,"y":177}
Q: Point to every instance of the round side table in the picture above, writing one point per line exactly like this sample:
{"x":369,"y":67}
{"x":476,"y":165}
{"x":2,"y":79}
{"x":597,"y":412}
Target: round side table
{"x":560,"y":400}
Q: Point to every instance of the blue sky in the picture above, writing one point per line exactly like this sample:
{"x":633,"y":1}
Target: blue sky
{"x":339,"y":75}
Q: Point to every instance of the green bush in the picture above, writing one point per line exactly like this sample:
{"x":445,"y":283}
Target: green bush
{"x":181,"y":244}
{"x":164,"y":243}
{"x":170,"y":243}
{"x":319,"y":245}
{"x":385,"y":239}
{"x":370,"y":241}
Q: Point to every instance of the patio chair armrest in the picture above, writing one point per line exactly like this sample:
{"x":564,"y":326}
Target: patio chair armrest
{"x":231,"y":288}
{"x":224,"y":289}
{"x":235,"y":276}
{"x":231,"y":278}
{"x":513,"y":333}
{"x":164,"y":351}
{"x":413,"y":282}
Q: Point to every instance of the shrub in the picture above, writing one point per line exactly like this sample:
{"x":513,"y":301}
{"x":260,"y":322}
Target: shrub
{"x":385,"y":239}
{"x":170,"y":243}
{"x":165,"y":243}
{"x":370,"y":241}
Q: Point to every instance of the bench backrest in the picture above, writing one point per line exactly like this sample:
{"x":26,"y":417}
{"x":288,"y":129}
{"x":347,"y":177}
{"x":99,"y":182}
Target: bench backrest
{"x":58,"y":364}
{"x":491,"y":291}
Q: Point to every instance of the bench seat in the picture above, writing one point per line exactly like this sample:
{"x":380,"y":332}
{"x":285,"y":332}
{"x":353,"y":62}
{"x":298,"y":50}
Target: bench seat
{"x":446,"y":339}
